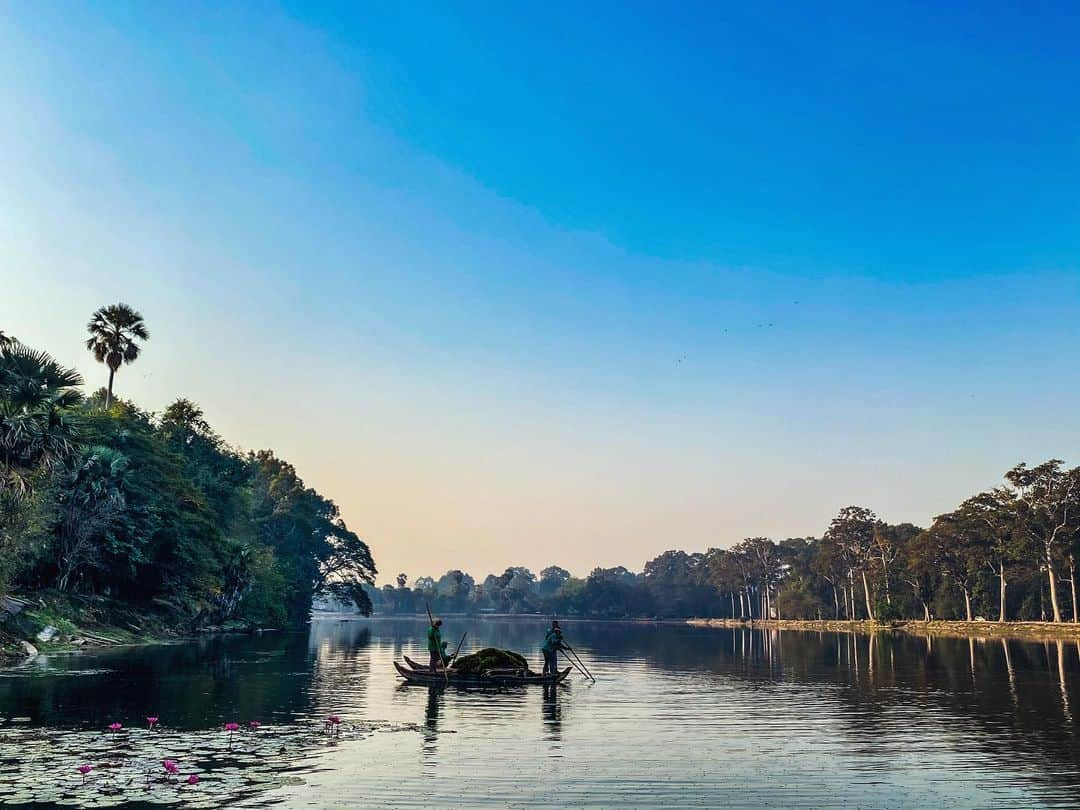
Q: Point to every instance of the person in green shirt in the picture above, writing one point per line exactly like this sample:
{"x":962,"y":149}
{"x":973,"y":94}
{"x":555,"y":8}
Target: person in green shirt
{"x":553,"y":642}
{"x":435,"y":644}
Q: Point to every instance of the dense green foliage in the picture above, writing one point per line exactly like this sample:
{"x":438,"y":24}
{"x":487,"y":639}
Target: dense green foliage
{"x":1006,"y":554}
{"x":490,"y":658}
{"x":158,"y":510}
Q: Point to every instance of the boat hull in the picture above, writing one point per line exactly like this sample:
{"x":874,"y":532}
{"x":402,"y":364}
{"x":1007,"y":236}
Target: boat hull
{"x":451,"y":678}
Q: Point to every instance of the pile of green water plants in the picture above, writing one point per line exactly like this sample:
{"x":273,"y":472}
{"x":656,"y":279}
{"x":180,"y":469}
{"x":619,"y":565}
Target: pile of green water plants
{"x":489,"y":658}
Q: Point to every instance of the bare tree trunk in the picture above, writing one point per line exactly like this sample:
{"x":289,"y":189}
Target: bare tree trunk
{"x":925,"y":612}
{"x":108,"y":392}
{"x":866,"y":593}
{"x":967,"y":602}
{"x":1072,"y":586}
{"x":836,"y":602}
{"x":732,"y":595}
{"x":1053,"y":588}
{"x":885,"y":575}
{"x":742,"y":607}
{"x":1001,"y":607}
{"x":852,"y":615}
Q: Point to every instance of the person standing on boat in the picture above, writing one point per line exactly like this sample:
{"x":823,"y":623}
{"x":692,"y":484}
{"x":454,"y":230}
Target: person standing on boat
{"x":553,"y":642}
{"x":435,"y":644}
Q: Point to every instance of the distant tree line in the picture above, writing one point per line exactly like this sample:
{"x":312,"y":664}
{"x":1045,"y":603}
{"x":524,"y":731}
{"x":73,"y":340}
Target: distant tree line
{"x":100,"y":497}
{"x":1006,"y":554}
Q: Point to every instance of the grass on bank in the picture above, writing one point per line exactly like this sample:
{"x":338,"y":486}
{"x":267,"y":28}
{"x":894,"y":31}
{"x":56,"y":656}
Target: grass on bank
{"x":1031,"y":631}
{"x":80,"y":621}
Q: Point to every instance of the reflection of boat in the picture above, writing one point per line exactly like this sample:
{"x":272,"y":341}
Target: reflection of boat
{"x":492,"y":677}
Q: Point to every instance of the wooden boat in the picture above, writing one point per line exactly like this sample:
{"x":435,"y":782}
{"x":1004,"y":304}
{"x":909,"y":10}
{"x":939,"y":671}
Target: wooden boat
{"x":492,"y":677}
{"x":418,"y":666}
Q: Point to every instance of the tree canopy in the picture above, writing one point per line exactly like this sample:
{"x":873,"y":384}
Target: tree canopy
{"x":159,"y":509}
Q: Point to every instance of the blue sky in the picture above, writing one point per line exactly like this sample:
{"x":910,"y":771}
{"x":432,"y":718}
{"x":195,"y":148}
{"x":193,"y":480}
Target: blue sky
{"x":566,"y":284}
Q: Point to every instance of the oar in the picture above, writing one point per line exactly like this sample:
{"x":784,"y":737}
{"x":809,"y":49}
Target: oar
{"x":574,"y":663}
{"x":578,"y":657}
{"x":589,"y":674}
{"x":431,"y":621}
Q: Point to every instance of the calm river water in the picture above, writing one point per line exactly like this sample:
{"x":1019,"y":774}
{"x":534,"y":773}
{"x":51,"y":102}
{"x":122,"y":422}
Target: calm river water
{"x":678,"y":717}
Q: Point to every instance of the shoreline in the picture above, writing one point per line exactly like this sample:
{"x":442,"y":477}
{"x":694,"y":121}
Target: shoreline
{"x":1025,"y":631}
{"x":65,"y":624}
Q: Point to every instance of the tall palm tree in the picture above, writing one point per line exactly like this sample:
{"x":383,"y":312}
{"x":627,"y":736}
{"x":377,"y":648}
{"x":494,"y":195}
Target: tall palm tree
{"x":6,"y":340}
{"x":114,"y":334}
{"x":38,"y":430}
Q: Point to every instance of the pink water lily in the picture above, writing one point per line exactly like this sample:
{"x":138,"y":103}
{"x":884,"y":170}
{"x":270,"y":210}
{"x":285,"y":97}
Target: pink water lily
{"x":231,"y":727}
{"x":151,"y":722}
{"x":114,"y":727}
{"x":193,"y":779}
{"x":333,"y":724}
{"x":254,"y":724}
{"x":170,"y":766}
{"x":84,"y":770}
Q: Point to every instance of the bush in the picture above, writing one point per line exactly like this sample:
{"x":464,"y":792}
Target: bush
{"x":886,"y":612}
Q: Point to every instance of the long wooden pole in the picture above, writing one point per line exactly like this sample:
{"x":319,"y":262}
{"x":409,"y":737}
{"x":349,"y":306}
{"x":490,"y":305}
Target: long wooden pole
{"x":459,"y":645}
{"x":575,"y":665}
{"x":578,"y":657}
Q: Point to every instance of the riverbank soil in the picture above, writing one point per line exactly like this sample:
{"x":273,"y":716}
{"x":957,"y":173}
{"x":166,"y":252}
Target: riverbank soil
{"x":1035,"y":631}
{"x":55,"y":622}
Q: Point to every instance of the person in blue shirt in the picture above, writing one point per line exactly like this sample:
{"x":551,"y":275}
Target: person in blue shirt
{"x":553,"y":642}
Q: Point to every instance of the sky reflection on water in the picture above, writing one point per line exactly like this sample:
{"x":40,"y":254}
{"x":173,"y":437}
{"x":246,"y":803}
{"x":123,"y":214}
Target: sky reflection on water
{"x":678,"y":717}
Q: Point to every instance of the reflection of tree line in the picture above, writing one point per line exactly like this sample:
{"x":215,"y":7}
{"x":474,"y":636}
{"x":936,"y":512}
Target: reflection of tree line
{"x":193,"y":685}
{"x":1020,"y":694}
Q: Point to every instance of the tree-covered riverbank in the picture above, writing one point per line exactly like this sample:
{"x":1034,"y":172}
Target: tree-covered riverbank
{"x":153,"y":513}
{"x":1009,"y":554}
{"x":1027,"y":631}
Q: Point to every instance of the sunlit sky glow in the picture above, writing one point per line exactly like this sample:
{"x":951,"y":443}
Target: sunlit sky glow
{"x":566,"y":284}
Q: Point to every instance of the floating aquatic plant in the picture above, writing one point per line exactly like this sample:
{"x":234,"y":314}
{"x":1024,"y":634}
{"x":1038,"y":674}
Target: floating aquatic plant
{"x":38,"y":764}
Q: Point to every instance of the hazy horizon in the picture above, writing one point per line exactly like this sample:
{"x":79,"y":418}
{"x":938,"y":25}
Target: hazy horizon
{"x":703,"y":276}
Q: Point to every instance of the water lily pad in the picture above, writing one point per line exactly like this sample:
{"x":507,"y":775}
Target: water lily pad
{"x":39,"y":764}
